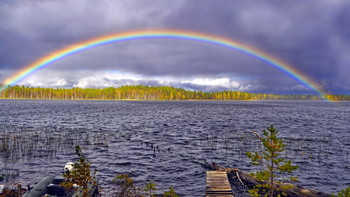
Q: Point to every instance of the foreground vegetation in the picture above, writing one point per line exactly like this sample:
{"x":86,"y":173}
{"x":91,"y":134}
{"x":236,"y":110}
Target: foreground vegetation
{"x":81,"y":179}
{"x":141,"y":92}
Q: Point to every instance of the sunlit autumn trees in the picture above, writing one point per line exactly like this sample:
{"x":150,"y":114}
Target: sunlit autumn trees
{"x":141,"y":92}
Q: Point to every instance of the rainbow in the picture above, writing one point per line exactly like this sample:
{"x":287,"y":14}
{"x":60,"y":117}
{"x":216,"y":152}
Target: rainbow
{"x":163,"y":34}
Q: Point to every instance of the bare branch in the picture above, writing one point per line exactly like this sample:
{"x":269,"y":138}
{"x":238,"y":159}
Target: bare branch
{"x":257,"y":135}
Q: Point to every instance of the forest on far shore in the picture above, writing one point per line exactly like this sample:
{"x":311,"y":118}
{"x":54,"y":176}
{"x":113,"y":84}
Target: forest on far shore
{"x":141,"y":92}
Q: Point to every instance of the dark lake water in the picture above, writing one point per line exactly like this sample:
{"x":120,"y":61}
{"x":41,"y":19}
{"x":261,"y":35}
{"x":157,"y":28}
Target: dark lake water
{"x":167,"y":142}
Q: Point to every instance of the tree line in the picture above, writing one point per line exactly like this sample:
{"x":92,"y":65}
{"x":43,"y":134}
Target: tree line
{"x":141,"y":92}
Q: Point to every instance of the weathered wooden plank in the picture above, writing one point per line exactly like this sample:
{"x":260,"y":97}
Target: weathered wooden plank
{"x":217,"y":184}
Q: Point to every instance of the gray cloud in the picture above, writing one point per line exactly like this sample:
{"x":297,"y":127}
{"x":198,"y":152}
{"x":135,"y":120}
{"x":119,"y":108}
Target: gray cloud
{"x":103,"y":79}
{"x":312,"y":37}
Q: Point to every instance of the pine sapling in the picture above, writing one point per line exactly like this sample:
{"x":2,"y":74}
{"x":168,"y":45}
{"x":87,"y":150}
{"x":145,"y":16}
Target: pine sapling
{"x":149,"y":187}
{"x":272,"y":164}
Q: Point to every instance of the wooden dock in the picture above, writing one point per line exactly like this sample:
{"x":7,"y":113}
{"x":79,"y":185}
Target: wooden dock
{"x":218,"y":184}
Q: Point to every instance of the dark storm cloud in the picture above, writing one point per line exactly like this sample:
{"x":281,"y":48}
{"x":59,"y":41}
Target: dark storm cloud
{"x":164,"y":57}
{"x":301,"y":33}
{"x":312,"y":36}
{"x":31,"y":29}
{"x":287,"y":30}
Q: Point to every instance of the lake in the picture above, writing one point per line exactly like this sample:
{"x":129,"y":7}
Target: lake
{"x":167,"y":142}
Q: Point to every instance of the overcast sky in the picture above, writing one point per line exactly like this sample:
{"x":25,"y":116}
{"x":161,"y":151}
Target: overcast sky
{"x":311,"y":35}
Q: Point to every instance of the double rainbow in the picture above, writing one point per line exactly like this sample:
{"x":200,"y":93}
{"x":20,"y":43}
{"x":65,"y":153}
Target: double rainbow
{"x":163,"y":34}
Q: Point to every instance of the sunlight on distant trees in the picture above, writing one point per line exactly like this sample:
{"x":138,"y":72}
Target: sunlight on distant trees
{"x":141,"y":92}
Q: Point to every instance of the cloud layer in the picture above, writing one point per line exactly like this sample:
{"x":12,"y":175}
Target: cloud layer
{"x":313,"y":37}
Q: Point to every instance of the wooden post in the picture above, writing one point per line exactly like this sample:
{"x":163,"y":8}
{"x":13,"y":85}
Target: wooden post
{"x":19,"y":190}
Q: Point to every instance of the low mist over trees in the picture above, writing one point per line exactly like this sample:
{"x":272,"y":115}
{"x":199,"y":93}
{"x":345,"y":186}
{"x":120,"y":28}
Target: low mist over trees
{"x":141,"y":92}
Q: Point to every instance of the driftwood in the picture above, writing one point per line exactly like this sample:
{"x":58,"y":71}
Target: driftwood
{"x":249,"y":182}
{"x":241,"y":182}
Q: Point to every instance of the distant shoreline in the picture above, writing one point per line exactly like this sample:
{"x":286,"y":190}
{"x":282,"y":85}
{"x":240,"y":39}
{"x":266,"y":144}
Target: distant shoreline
{"x":153,"y":93}
{"x":58,"y":99}
{"x":46,"y":99}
